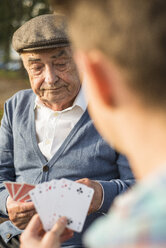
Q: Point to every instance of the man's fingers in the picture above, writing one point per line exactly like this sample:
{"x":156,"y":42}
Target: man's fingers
{"x":27,"y":214}
{"x":21,"y":219}
{"x":25,"y":206}
{"x":22,"y":223}
{"x":20,"y":207}
{"x":84,"y":181}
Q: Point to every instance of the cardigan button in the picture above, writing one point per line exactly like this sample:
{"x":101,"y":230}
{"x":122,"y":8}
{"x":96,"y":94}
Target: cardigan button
{"x":45,"y":168}
{"x":8,"y":235}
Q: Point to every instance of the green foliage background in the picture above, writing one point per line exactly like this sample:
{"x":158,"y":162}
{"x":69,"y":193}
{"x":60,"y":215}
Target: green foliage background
{"x":13,"y":13}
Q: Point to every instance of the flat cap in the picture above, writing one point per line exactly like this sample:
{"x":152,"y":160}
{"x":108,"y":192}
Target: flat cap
{"x":41,"y":32}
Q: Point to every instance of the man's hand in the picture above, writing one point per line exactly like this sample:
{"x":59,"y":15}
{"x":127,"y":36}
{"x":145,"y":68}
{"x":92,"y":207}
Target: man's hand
{"x":20,"y":213}
{"x":98,"y":193}
{"x":35,"y":237}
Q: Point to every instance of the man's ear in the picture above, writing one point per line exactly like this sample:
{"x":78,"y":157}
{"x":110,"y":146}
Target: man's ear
{"x":98,"y":76}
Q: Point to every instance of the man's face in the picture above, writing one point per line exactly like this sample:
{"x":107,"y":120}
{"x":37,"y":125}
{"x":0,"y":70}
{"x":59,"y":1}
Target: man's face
{"x":53,"y":76}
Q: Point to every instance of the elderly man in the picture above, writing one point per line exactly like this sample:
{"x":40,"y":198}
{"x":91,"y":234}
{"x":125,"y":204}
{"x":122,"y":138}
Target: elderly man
{"x":46,"y":133}
{"x":122,"y":47}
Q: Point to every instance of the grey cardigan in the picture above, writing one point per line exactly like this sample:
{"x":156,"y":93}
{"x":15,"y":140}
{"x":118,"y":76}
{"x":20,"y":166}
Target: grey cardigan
{"x":83,"y":154}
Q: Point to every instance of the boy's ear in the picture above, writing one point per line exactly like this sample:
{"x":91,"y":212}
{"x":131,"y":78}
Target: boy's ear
{"x":98,"y":77}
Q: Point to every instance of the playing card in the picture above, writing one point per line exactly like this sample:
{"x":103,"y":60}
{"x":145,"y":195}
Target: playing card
{"x":34,"y":195}
{"x":42,"y":198}
{"x":50,"y":198}
{"x":9,"y":188}
{"x":16,"y":188}
{"x":22,"y":194}
{"x":45,"y":203}
{"x":25,"y":198}
{"x":73,"y":202}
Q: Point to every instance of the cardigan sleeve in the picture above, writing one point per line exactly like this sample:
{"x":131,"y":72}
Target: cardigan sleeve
{"x":114,"y":187}
{"x":7,"y":172}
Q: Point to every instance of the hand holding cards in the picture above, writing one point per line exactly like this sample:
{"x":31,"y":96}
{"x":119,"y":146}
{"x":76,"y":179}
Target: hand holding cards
{"x":62,"y":198}
{"x":55,"y":199}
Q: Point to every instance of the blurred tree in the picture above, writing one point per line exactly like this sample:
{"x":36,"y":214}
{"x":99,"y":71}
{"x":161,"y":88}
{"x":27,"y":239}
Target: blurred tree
{"x":12,"y":15}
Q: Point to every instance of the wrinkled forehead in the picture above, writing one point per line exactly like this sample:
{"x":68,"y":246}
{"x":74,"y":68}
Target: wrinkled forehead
{"x":54,"y":53}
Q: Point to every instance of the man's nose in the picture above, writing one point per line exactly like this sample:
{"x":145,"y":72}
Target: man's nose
{"x":50,"y":75}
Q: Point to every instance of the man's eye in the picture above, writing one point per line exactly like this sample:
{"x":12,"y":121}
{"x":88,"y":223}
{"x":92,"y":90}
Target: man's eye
{"x":61,"y":66}
{"x":36,"y":69}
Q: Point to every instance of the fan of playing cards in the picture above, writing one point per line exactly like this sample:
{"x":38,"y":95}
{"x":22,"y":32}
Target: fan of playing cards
{"x":60,"y":198}
{"x":19,"y":191}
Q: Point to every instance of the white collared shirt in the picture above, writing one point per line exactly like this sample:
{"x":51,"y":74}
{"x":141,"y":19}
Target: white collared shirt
{"x":52,"y":127}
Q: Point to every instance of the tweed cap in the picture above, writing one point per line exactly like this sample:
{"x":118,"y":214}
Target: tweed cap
{"x":41,"y":32}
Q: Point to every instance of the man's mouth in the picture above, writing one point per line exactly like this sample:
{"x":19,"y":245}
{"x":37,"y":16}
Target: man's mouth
{"x":50,"y":89}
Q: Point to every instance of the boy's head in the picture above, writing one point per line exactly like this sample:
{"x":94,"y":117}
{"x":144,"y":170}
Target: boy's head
{"x":130,"y":33}
{"x":121,"y":45}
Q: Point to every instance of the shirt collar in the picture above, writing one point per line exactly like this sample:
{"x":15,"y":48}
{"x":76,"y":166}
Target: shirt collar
{"x":79,"y":101}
